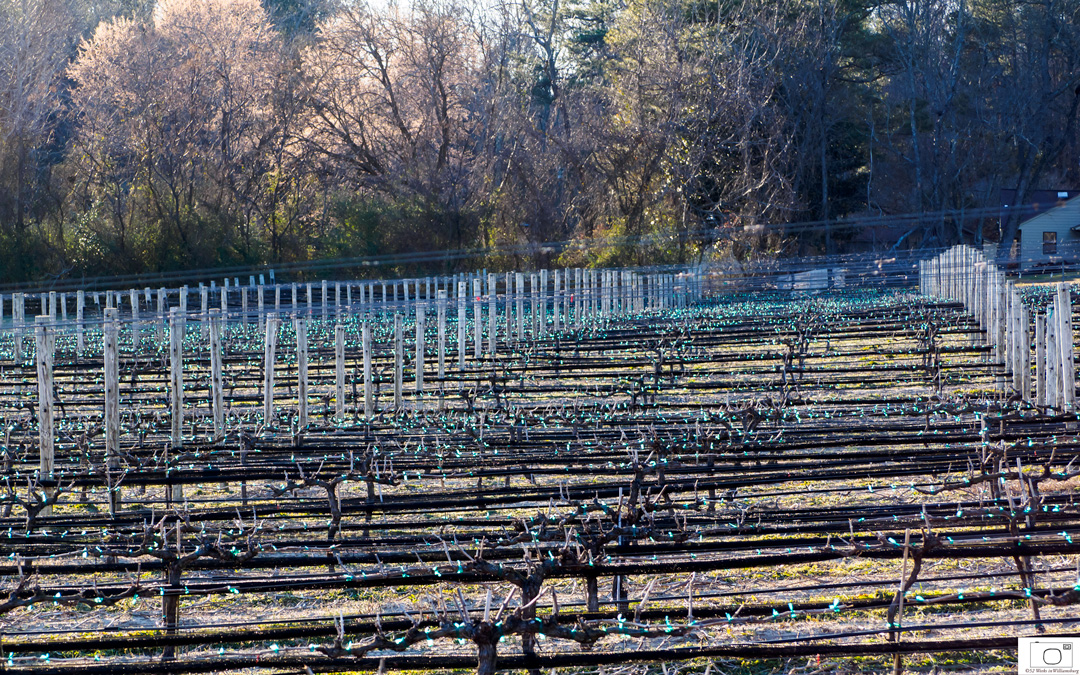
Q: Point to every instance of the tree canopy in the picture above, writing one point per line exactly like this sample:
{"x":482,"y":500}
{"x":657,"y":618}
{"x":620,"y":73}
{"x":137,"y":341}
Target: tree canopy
{"x":140,"y":137}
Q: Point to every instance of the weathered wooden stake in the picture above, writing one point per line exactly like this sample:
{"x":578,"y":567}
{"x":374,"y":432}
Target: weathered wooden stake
{"x":1040,"y":359}
{"x":519,"y":304}
{"x":80,"y":323}
{"x":160,"y":315}
{"x":421,"y":311}
{"x":217,"y":394}
{"x":1025,"y":352}
{"x":365,"y":338}
{"x":461,"y":319}
{"x":1065,"y":344}
{"x":1053,"y":362}
{"x":339,"y":368}
{"x":111,"y":330}
{"x":440,"y":311}
{"x":492,"y":316}
{"x":302,"y":372}
{"x":176,"y":391}
{"x":399,"y":357}
{"x":478,"y":318}
{"x":534,"y":308}
{"x":225,"y":303}
{"x":555,"y":302}
{"x":543,"y":301}
{"x":508,"y":311}
{"x":269,"y":349}
{"x":45,"y":338}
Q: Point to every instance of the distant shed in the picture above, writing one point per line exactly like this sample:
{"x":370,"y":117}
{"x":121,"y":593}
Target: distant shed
{"x":1051,"y":238}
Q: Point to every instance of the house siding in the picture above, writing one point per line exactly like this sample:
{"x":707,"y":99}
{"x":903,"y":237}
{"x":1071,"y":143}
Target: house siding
{"x":1061,"y":220}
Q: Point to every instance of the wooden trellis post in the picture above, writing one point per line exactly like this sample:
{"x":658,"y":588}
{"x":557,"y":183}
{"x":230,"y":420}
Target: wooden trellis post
{"x":45,"y":339}
{"x":1053,"y":361}
{"x":302,"y":372}
{"x":1065,"y":344}
{"x":555,"y":304}
{"x":579,"y":297}
{"x":421,"y":311}
{"x":365,"y":339}
{"x":339,"y":368}
{"x":269,"y":349}
{"x":399,"y":357}
{"x":492,"y":316}
{"x":478,"y":318}
{"x":160,"y":315}
{"x":217,"y":394}
{"x":508,"y":312}
{"x":176,"y":391}
{"x":225,"y":303}
{"x":440,"y":311}
{"x":1040,"y":359}
{"x":80,"y":323}
{"x":461,"y":319}
{"x":534,"y":308}
{"x":110,"y":331}
{"x":543,"y":301}
{"x":604,"y":288}
{"x":1025,"y":353}
{"x":519,"y":305}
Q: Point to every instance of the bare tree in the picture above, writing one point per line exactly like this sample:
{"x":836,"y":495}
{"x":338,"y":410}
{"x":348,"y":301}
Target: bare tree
{"x":176,"y":116}
{"x":36,"y":39}
{"x":1037,"y":91}
{"x":391,"y":95}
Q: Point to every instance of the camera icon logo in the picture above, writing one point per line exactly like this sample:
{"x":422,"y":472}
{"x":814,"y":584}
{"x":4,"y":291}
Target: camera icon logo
{"x":1049,"y":656}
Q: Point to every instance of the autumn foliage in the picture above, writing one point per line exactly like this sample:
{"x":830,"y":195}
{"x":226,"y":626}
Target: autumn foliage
{"x":138,"y":136}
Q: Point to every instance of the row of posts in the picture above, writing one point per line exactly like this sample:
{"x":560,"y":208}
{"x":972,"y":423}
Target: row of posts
{"x":618,"y":293}
{"x":963,"y":274}
{"x":576,"y":297}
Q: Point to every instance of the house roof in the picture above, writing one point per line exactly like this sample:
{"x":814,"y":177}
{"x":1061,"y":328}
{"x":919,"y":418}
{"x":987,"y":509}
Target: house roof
{"x":1069,"y":209}
{"x":1038,"y":201}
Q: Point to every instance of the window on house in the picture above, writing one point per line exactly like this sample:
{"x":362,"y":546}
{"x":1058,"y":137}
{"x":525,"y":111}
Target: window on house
{"x":1049,"y":243}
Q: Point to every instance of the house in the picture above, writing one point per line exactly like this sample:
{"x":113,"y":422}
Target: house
{"x":1051,"y":238}
{"x":1038,"y":201}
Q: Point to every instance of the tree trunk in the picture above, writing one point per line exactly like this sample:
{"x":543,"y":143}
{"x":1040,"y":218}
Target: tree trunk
{"x":486,"y":658}
{"x":170,"y":608}
{"x":487,"y":642}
